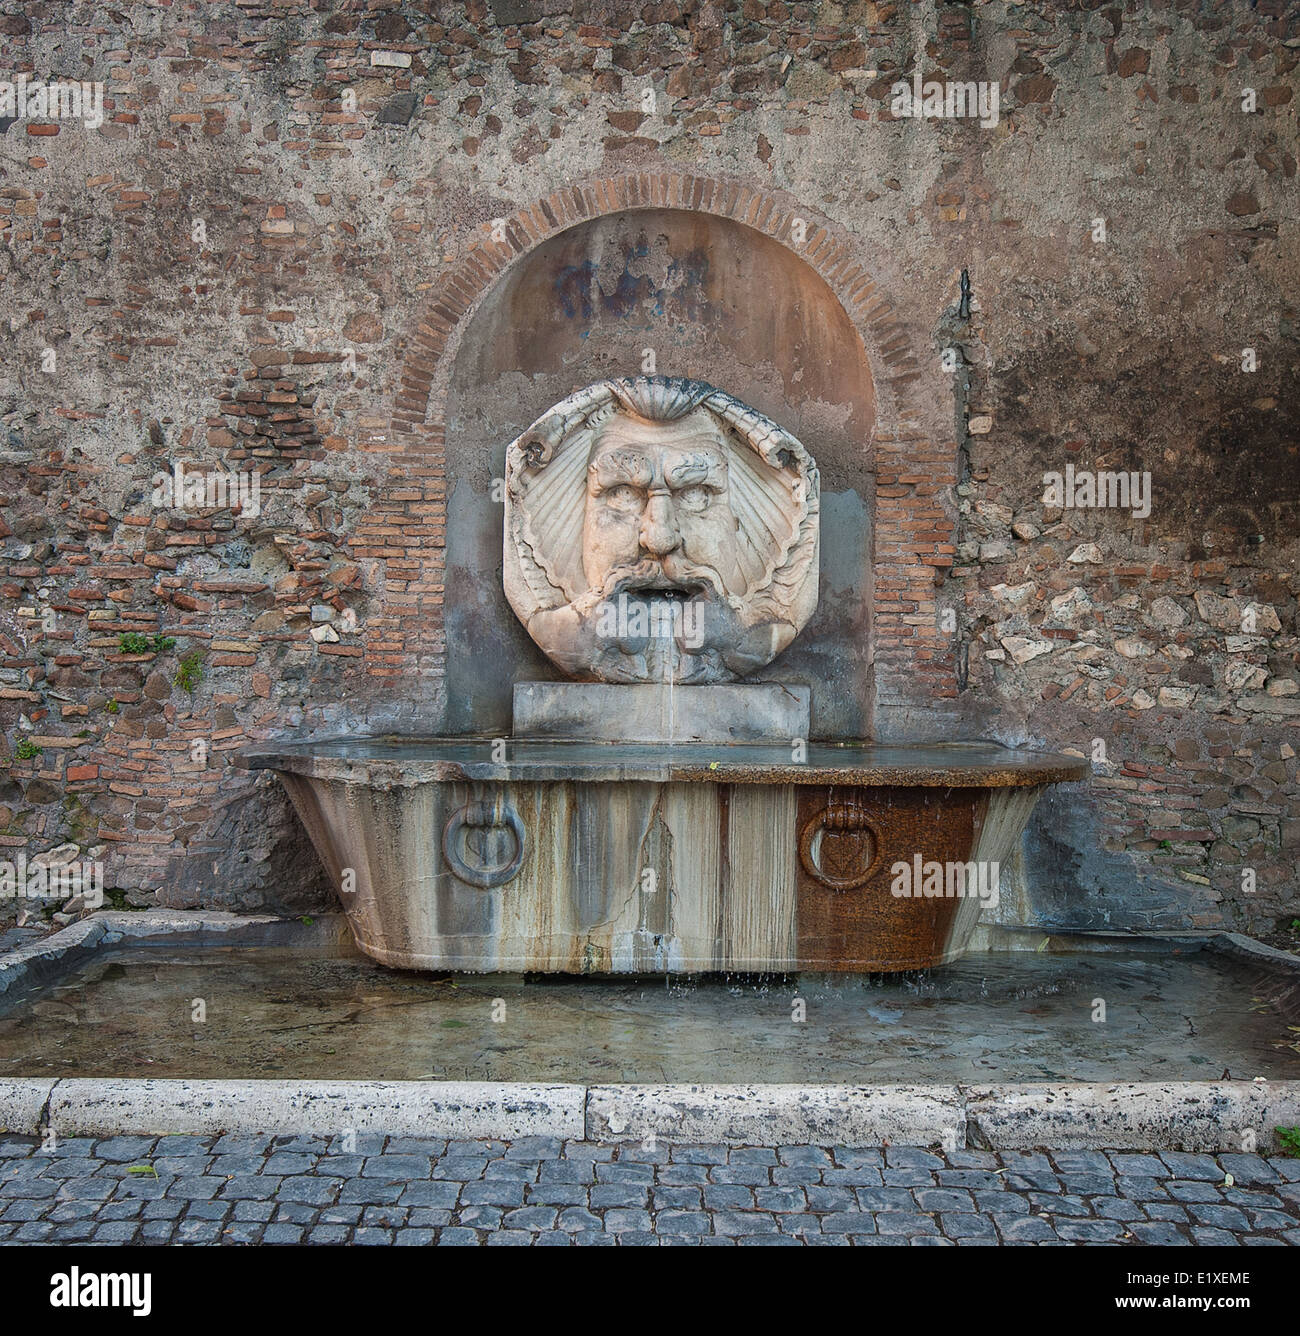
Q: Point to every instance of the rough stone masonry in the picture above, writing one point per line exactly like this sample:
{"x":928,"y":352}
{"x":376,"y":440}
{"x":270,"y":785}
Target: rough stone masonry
{"x":265,"y":258}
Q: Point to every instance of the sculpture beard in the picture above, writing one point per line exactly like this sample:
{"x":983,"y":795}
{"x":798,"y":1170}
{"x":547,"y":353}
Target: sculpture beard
{"x":664,"y":621}
{"x":651,"y":623}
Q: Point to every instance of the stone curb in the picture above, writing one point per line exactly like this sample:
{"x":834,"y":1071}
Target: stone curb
{"x":64,"y":951}
{"x":51,"y":957}
{"x":1205,"y":1116}
{"x":1241,"y":947}
{"x":22,"y":1105}
{"x":780,"y":1115}
{"x":1209,"y":1116}
{"x":460,"y":1109}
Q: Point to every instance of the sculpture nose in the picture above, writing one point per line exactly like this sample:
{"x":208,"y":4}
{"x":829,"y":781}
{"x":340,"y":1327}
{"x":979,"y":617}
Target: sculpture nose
{"x":659,"y":532}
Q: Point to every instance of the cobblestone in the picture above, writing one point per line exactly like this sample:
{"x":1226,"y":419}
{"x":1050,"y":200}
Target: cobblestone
{"x":413,"y":1192}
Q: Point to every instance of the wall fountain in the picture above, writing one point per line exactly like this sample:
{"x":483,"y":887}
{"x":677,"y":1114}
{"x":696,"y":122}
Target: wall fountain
{"x":655,"y":811}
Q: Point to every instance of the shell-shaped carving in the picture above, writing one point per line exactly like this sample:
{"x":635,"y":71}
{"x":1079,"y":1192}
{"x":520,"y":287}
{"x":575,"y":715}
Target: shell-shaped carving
{"x":660,"y":398}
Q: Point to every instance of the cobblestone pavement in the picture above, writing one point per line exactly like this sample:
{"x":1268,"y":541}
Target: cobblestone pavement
{"x":403,"y":1190}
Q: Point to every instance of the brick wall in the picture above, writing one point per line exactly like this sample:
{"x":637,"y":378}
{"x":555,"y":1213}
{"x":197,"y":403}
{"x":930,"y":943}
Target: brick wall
{"x":267,"y":254}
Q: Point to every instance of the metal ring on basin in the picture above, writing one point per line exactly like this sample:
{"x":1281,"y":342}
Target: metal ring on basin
{"x":496,"y":815}
{"x":839,"y":818}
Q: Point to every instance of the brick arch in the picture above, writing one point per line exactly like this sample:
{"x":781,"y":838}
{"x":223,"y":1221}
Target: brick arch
{"x":914,"y":533}
{"x":827,"y":249}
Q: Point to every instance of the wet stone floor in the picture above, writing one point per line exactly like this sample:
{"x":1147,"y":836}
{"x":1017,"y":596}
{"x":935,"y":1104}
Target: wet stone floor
{"x":236,"y":1013}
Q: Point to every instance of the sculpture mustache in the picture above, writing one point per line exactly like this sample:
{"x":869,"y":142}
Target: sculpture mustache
{"x":678,"y":571}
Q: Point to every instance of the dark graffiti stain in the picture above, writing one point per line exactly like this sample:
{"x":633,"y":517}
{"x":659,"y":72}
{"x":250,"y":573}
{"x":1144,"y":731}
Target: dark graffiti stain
{"x":1221,"y":444}
{"x":583,"y":292}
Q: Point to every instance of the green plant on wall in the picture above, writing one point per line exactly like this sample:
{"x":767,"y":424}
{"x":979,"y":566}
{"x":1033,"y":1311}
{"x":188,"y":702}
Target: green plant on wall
{"x":1290,"y":1139}
{"x":133,"y":642}
{"x":189,"y":673}
{"x":116,"y":897}
{"x":26,"y":750}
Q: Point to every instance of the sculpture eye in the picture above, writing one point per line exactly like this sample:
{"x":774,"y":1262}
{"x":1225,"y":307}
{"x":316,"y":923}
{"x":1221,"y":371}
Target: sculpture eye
{"x":623,"y":497}
{"x":694,"y":498}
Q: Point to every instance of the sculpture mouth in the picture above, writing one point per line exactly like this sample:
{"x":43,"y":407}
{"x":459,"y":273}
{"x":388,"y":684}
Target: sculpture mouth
{"x":652,"y":581}
{"x":666,"y":590}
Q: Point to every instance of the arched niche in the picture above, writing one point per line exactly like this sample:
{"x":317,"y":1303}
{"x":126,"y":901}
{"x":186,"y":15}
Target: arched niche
{"x":705,"y":297}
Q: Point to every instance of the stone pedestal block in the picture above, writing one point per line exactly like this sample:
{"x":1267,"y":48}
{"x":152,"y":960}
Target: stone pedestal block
{"x":595,"y":711}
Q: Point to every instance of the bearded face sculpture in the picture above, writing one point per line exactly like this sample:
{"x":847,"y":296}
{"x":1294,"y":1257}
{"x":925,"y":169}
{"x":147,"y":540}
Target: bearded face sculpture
{"x":658,"y":530}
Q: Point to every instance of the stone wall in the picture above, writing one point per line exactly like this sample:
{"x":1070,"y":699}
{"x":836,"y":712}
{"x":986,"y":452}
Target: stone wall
{"x":279,"y":251}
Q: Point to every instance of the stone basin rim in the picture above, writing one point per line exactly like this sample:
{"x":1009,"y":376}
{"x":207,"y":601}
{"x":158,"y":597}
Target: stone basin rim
{"x":402,"y":759}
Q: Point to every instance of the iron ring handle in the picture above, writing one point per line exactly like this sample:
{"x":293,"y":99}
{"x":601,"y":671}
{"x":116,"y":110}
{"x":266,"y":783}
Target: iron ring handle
{"x":485,"y":814}
{"x":838,"y":817}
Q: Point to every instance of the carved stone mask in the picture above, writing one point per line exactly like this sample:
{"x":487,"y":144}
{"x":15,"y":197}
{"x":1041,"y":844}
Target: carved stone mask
{"x":660,"y":530}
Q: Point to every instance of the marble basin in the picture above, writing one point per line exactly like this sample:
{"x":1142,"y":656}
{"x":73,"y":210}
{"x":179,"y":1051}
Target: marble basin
{"x":594,"y":858}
